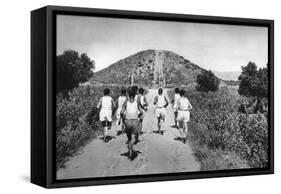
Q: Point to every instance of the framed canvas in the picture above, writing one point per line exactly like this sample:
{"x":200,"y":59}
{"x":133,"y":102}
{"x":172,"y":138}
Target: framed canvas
{"x":126,"y":96}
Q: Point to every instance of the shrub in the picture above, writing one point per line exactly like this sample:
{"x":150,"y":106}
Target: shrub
{"x":253,"y":81}
{"x":77,"y":120}
{"x":207,"y":81}
{"x":221,"y":136}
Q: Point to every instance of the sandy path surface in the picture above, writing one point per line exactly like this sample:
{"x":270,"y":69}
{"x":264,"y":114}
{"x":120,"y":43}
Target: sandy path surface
{"x":155,"y":153}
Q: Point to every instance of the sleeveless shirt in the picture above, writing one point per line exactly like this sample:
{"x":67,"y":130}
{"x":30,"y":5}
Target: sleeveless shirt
{"x":121,"y":100}
{"x":106,"y":103}
{"x":132,"y":110}
{"x":161,"y":101}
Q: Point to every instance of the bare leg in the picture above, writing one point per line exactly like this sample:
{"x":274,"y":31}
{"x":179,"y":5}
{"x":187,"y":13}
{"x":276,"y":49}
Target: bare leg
{"x":130,"y":144}
{"x":140,"y":125}
{"x":135,"y":138}
{"x":176,"y":115}
{"x":159,"y":124}
{"x":130,"y":149}
{"x":105,"y":129}
{"x":184,"y":131}
{"x":122,"y":126}
{"x":162,"y":123}
{"x":121,"y":130}
{"x":181,"y":128}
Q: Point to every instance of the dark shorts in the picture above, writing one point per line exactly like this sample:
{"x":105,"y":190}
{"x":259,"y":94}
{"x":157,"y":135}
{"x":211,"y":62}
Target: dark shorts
{"x":106,"y":124}
{"x":132,"y":126}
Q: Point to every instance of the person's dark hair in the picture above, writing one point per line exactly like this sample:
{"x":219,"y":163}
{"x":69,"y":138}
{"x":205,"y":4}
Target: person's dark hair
{"x":106,"y":91}
{"x":182,"y":92}
{"x":123,"y":92}
{"x":135,"y":88}
{"x":177,"y":90}
{"x":131,"y":93}
{"x":160,"y":91}
{"x":141,"y":90}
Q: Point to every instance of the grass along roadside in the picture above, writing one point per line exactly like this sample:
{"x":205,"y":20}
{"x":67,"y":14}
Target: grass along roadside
{"x":77,"y":123}
{"x":221,"y":136}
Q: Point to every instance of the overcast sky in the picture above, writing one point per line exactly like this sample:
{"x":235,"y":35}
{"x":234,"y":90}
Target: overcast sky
{"x":216,"y":47}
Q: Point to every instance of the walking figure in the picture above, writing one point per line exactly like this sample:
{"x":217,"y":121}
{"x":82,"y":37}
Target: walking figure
{"x":136,"y":90}
{"x":131,"y":112}
{"x":174,"y":101}
{"x":120,"y":102}
{"x":106,"y":106}
{"x":142,"y":100}
{"x":183,"y":106}
{"x":161,"y":102}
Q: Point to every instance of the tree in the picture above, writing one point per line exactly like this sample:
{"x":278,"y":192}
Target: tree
{"x":207,"y":81}
{"x":72,"y":69}
{"x":254,"y":83}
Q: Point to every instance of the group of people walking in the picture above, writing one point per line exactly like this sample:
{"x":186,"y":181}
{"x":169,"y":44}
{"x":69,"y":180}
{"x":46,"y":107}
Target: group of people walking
{"x":131,"y":106}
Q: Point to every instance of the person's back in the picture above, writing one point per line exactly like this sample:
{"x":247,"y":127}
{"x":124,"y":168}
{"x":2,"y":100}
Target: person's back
{"x":160,"y":101}
{"x":176,"y":98}
{"x":132,"y":110}
{"x":106,"y":103}
{"x":183,"y":104}
{"x":121,"y":101}
{"x":183,"y":107}
{"x":142,"y":100}
{"x":106,"y":106}
{"x":143,"y":105}
{"x":136,"y":97}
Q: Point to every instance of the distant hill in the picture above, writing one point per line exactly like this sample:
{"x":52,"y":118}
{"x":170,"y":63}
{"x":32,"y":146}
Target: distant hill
{"x":231,"y":75}
{"x":150,"y":67}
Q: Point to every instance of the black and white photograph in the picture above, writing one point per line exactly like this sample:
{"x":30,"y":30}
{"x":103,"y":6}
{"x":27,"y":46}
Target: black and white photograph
{"x":143,"y":96}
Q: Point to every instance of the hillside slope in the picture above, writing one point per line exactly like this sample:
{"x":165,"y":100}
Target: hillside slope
{"x":150,"y":68}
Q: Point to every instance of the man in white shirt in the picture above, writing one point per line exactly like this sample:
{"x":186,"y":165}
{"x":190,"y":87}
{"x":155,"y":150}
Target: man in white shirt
{"x":183,"y":106}
{"x":176,"y":97}
{"x":161,"y":102}
{"x":106,"y":106}
{"x":131,"y":111}
{"x":120,"y":102}
{"x":142,"y":100}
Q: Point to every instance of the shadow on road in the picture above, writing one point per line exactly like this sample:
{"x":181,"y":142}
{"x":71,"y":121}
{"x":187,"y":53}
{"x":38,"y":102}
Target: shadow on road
{"x":120,"y":133}
{"x":157,"y":132}
{"x":178,"y":139}
{"x":135,"y":154}
{"x":108,"y":138}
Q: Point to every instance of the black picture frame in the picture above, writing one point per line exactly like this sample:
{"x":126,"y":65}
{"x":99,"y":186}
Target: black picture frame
{"x":43,"y":53}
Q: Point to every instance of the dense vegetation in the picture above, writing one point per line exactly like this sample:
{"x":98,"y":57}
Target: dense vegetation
{"x":77,"y":119}
{"x":229,"y":128}
{"x":207,"y":81}
{"x":254,"y":84}
{"x":222,"y":137}
{"x":71,"y":70}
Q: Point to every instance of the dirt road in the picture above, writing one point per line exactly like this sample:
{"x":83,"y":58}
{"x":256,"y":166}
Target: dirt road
{"x":154,"y":153}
